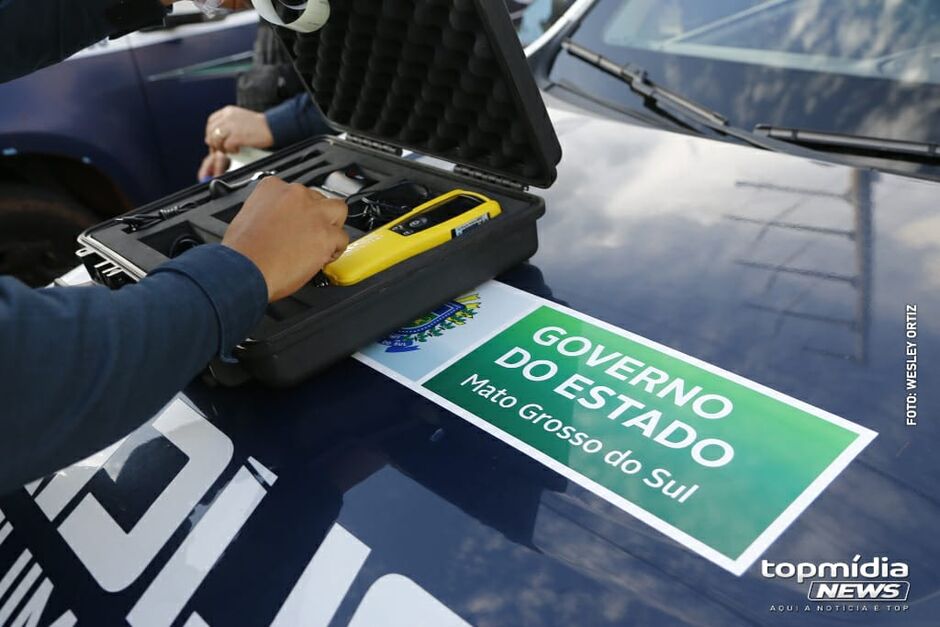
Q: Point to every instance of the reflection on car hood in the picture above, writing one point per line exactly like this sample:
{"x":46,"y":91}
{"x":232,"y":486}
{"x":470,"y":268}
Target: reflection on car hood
{"x":789,"y":272}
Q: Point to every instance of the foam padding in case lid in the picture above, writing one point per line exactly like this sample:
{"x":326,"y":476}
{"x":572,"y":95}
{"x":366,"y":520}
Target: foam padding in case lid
{"x":442,"y":77}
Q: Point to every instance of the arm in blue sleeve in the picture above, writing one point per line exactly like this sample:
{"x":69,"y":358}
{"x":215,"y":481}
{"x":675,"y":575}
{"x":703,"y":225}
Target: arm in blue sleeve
{"x":82,"y":367}
{"x":295,"y":120}
{"x":37,"y":33}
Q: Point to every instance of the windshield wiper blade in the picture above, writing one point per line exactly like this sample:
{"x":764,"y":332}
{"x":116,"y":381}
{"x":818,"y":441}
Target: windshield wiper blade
{"x":638,"y":80}
{"x":655,"y":97}
{"x":822,"y":140}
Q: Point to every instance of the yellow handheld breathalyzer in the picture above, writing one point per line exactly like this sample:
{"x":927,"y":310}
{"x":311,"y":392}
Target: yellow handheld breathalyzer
{"x":425,"y":227}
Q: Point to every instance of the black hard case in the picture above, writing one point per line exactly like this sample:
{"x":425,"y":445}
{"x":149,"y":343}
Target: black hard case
{"x":443,"y":78}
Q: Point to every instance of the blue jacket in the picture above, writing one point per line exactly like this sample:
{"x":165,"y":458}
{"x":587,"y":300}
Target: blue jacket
{"x":294,"y":120}
{"x":82,"y":367}
{"x":37,"y":33}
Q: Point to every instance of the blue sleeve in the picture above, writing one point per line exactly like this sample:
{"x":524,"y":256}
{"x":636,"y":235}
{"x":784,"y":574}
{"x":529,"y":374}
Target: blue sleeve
{"x":81,"y":367}
{"x":37,"y":33}
{"x":295,"y":120}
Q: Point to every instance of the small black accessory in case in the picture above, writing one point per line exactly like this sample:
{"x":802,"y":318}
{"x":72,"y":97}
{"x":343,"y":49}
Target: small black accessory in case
{"x":380,"y":205}
{"x":442,"y":78}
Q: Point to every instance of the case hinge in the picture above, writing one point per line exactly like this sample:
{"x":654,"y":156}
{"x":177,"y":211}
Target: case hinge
{"x":374,"y":144}
{"x":502,"y":181}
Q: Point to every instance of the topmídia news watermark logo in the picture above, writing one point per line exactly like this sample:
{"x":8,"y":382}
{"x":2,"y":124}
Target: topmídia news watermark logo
{"x":876,"y":580}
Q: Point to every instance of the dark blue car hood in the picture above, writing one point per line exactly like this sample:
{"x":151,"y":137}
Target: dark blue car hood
{"x":789,"y":272}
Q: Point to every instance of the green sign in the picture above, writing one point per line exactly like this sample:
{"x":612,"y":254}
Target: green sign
{"x":713,"y":460}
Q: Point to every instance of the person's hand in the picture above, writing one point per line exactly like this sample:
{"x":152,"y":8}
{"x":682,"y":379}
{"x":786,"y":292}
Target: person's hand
{"x":290,"y":232}
{"x":215,"y":164}
{"x":230,"y":128}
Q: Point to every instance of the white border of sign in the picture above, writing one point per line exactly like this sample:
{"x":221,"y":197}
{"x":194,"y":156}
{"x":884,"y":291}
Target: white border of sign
{"x":761,"y":543}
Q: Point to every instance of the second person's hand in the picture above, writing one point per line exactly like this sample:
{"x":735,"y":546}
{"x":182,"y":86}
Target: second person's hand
{"x":215,"y":164}
{"x":230,"y":128}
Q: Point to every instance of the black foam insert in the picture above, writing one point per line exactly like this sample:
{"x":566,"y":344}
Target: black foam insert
{"x":442,"y":77}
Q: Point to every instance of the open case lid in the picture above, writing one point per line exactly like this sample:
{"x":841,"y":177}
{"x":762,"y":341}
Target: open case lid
{"x":446,"y":78}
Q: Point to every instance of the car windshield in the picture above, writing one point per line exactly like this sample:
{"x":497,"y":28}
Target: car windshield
{"x":534,"y":17}
{"x":859,"y":67}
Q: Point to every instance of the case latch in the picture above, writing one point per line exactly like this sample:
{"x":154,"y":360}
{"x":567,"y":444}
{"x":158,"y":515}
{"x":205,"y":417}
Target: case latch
{"x":502,"y":181}
{"x":374,"y":144}
{"x":103,"y":270}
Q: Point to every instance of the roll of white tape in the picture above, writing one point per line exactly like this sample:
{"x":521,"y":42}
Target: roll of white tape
{"x":314,"y":16}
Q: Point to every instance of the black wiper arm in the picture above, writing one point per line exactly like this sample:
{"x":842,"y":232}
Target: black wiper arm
{"x":655,"y":96}
{"x":842,"y":142}
{"x":638,"y":81}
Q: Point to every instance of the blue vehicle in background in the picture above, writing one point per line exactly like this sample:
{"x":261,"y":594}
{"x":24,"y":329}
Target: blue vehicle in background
{"x":117,"y":125}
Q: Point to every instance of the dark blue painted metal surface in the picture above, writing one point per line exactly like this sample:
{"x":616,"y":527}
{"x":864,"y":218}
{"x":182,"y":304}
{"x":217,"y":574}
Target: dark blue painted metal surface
{"x":790,"y":272}
{"x":180,"y":106}
{"x":54,"y":112}
{"x":100,"y":108}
